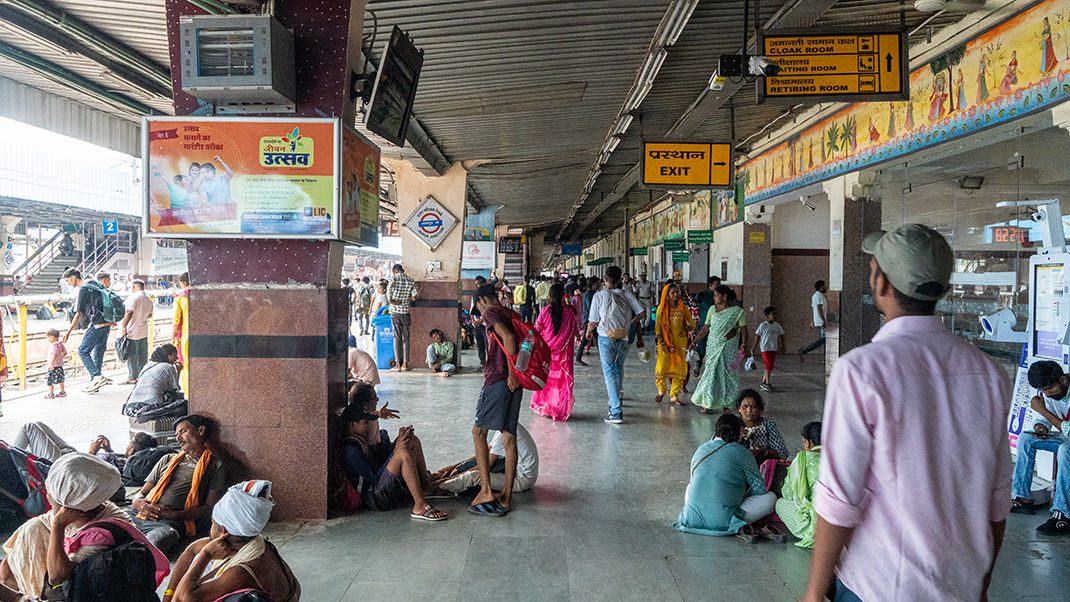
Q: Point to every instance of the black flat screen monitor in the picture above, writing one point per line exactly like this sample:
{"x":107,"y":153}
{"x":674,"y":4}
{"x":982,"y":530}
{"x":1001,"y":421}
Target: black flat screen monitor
{"x":510,"y":245}
{"x":390,"y":106}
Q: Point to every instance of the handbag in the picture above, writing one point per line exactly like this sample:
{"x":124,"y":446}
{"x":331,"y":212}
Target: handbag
{"x":122,"y":348}
{"x":693,"y":356}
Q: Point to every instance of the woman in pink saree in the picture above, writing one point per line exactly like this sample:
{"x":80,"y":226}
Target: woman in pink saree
{"x":559,"y":328}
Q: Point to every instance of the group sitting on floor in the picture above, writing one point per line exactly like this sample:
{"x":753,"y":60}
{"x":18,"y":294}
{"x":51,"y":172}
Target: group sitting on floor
{"x":737,"y":477}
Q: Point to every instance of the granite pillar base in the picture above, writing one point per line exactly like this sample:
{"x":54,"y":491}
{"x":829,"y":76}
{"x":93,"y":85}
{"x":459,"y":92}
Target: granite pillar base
{"x":857,"y":319}
{"x":438,"y":307}
{"x":268,"y":362}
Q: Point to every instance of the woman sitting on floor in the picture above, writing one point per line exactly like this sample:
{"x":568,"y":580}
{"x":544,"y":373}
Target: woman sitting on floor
{"x":157,"y":387}
{"x":796,"y":508}
{"x":760,"y":435}
{"x":49,"y":546}
{"x":235,"y":558}
{"x":726,"y":492}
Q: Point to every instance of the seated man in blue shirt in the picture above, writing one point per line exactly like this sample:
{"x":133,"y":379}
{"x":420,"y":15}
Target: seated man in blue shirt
{"x":388,"y":474}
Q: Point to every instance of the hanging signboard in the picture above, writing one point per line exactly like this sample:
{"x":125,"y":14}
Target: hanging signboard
{"x":687,"y":165}
{"x":572,"y":249}
{"x":388,"y":228}
{"x":639,"y":251}
{"x":680,"y":257}
{"x":836,"y":66}
{"x":699,"y":237}
{"x":431,"y":222}
{"x":477,"y":255}
{"x":510,"y":245}
{"x":675,"y":245}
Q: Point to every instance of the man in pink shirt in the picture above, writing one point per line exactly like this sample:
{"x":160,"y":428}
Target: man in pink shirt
{"x":909,"y":509}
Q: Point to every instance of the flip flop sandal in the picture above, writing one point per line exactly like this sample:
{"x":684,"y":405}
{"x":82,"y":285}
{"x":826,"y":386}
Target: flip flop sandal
{"x":658,"y":398}
{"x":677,"y":402}
{"x":426,"y":514}
{"x":493,"y":508}
{"x":440,"y":494}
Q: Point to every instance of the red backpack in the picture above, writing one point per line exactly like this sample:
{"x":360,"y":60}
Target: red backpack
{"x":538,"y":371}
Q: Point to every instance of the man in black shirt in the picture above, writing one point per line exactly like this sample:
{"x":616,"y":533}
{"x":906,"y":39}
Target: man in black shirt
{"x":90,"y":306}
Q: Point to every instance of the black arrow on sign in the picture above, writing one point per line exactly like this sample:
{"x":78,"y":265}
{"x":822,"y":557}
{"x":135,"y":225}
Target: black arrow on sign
{"x":888,"y":58}
{"x":719,"y":163}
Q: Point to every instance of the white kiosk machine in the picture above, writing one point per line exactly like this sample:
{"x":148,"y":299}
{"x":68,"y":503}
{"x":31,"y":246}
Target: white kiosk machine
{"x":1049,"y":318}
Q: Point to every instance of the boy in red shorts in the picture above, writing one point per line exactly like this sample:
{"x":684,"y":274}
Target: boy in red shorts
{"x":770,"y":341}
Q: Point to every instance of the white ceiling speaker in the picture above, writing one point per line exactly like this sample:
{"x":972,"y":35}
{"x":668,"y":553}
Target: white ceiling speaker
{"x":929,"y":6}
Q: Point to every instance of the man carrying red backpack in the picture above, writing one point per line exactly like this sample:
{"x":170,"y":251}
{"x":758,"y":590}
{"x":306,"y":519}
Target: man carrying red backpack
{"x":498,"y":408}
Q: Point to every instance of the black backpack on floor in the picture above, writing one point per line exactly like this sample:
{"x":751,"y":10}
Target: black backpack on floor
{"x":125,"y":572}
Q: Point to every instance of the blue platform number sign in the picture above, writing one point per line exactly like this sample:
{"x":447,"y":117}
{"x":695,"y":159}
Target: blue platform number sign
{"x":111,"y":226}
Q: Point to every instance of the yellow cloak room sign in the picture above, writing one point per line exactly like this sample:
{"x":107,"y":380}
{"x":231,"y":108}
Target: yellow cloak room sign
{"x":687,"y":165}
{"x":866,"y":65}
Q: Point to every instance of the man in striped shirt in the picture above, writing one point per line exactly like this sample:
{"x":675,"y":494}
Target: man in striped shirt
{"x":401,"y":291}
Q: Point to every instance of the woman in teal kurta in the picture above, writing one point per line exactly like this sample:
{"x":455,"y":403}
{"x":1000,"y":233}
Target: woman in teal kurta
{"x":796,"y":508}
{"x":725,"y":324}
{"x":723,"y":475}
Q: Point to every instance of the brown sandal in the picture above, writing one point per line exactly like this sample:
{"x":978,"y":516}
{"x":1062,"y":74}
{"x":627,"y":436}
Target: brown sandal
{"x":659,"y":397}
{"x":677,"y":402}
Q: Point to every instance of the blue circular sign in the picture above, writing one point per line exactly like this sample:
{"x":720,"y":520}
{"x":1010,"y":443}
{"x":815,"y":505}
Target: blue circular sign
{"x":430,"y":223}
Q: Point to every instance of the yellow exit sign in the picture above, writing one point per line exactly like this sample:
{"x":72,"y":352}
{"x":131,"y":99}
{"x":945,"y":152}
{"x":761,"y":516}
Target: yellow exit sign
{"x":871,"y":65}
{"x":687,"y":164}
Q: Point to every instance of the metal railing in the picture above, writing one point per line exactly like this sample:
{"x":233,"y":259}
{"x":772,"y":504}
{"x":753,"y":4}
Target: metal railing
{"x":19,"y":363}
{"x":40,"y":258}
{"x":99,"y":255}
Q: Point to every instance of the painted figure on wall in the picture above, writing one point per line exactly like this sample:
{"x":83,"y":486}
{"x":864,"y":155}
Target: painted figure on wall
{"x":874,"y":135}
{"x":910,"y":116}
{"x":811,"y":151}
{"x":891,"y":120}
{"x":1048,"y":62}
{"x":937,"y":98}
{"x":961,"y":82}
{"x":1011,"y":76}
{"x":982,"y":79}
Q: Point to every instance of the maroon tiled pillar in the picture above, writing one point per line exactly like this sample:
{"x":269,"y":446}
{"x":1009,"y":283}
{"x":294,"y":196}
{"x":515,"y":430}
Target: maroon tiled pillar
{"x":757,"y":273}
{"x":268,"y":361}
{"x":268,"y":323}
{"x":858,"y":319}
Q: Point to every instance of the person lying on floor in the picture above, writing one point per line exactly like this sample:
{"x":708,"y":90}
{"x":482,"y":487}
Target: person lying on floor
{"x":179,"y":494}
{"x":440,"y":354}
{"x":79,"y":486}
{"x":388,"y":474}
{"x":235,"y":558}
{"x":726,"y":492}
{"x":141,"y":455}
{"x":462,"y":476}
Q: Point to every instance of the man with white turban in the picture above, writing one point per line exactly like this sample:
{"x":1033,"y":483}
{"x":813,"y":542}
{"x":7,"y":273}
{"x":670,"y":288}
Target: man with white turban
{"x":79,"y":486}
{"x":235,"y":557}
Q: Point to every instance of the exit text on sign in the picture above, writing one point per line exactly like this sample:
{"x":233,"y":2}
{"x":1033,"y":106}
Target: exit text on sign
{"x":687,"y":164}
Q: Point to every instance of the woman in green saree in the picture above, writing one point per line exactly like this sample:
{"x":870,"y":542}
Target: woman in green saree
{"x":796,"y":508}
{"x":725,"y":326}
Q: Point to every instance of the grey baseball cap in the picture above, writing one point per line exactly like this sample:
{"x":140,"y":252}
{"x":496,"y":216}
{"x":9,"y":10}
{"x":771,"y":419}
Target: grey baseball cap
{"x":916,"y":259}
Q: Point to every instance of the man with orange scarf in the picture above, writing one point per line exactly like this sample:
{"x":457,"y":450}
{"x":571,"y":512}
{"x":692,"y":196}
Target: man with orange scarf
{"x":674,"y":324}
{"x":179,"y":494}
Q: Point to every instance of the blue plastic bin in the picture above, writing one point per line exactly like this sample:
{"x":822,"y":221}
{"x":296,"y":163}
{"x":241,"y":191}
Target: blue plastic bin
{"x":383,"y":336}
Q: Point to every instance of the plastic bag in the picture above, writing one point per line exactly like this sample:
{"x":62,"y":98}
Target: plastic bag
{"x":751,"y":365}
{"x":644,"y":355}
{"x":693,"y":356}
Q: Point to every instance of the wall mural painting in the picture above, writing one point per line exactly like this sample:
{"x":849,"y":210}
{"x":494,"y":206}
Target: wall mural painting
{"x":1015,"y":68}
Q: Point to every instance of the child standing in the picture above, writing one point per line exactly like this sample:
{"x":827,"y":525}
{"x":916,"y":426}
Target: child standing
{"x":56,"y":353}
{"x":770,"y":341}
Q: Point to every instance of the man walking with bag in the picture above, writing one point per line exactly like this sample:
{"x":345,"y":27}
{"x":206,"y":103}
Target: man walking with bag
{"x":135,"y":327}
{"x":613,"y":312}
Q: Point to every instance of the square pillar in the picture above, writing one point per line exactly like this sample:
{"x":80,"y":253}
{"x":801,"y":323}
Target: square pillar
{"x":268,"y":361}
{"x":757,"y":272}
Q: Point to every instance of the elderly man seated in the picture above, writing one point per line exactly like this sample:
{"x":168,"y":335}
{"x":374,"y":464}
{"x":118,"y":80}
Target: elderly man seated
{"x":78,"y":527}
{"x":465,"y":475}
{"x":388,"y":474}
{"x":235,"y":558}
{"x":179,"y":494}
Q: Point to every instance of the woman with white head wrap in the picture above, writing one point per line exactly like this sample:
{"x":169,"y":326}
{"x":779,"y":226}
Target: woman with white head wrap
{"x":236,"y":557}
{"x":79,"y":487}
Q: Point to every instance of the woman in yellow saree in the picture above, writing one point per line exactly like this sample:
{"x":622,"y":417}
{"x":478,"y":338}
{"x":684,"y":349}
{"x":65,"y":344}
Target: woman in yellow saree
{"x":181,"y":330}
{"x":674,"y":325}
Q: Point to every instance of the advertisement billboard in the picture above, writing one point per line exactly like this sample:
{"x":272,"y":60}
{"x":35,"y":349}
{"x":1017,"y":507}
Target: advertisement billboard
{"x":241,"y":177}
{"x":360,"y":189}
{"x":478,"y":255}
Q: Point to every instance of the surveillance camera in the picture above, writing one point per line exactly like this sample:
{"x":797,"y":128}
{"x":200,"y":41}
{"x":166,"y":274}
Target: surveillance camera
{"x":802,"y":200}
{"x":1037,"y":216}
{"x":761,"y":65}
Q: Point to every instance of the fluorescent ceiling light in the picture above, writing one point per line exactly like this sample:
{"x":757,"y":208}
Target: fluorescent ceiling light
{"x":622,"y":124}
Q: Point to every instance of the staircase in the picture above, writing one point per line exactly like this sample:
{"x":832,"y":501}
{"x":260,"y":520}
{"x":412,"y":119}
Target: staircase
{"x":515,"y":268}
{"x":41,"y":272}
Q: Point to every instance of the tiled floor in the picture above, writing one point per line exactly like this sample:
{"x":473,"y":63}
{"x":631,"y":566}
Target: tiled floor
{"x":593,"y":529}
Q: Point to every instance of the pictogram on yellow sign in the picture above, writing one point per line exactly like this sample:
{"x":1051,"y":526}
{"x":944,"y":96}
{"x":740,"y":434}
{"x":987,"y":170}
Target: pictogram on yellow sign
{"x":868,"y":66}
{"x":687,"y":164}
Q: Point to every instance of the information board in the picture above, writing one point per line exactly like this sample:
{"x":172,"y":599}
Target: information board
{"x":240,"y":177}
{"x":685,"y":164}
{"x":836,"y":66}
{"x":431,"y":222}
{"x":681,"y":257}
{"x":510,"y":245}
{"x":360,"y":189}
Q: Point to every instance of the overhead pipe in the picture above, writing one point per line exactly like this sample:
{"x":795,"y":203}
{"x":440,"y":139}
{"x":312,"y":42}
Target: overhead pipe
{"x":73,"y":80}
{"x":91,"y":36}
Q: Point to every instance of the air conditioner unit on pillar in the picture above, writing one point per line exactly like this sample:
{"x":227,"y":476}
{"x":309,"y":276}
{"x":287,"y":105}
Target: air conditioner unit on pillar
{"x":243,"y":64}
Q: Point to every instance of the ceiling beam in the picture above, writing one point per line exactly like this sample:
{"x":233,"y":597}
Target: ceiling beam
{"x":73,"y":80}
{"x":800,"y":13}
{"x":69,"y":43}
